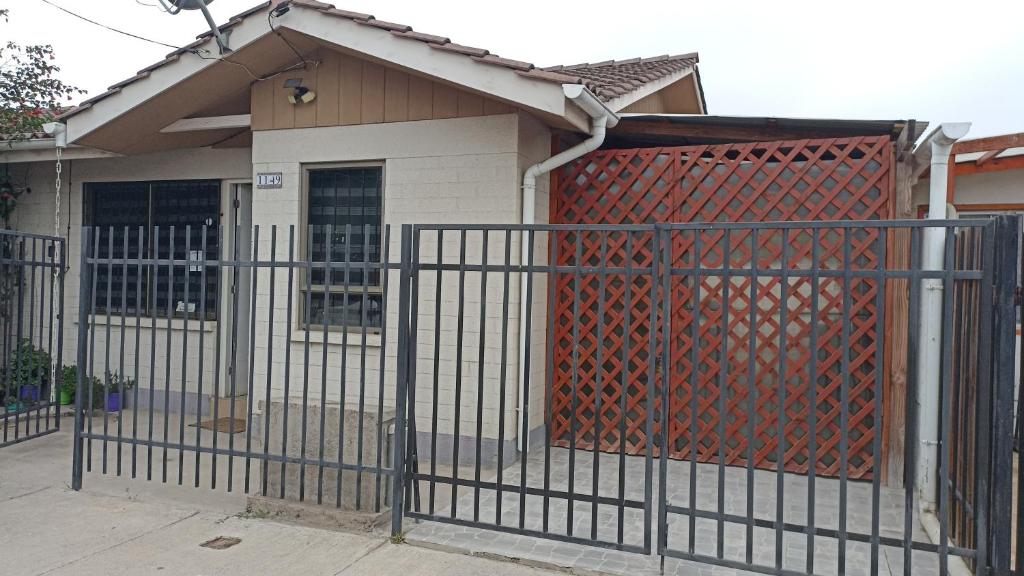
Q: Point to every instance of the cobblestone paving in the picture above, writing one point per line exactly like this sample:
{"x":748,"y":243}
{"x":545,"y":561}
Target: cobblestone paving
{"x":628,"y":528}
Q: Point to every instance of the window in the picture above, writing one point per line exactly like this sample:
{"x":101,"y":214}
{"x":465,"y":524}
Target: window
{"x":120,"y":211}
{"x":344,"y":218}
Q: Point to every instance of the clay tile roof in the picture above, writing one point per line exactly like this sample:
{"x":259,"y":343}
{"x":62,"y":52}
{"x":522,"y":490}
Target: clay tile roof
{"x":607,"y":80}
{"x":613,"y":78}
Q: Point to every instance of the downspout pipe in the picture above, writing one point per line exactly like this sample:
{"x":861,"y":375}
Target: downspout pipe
{"x":941,"y":141}
{"x":601,"y":118}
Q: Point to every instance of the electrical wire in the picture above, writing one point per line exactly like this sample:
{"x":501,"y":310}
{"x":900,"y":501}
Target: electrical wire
{"x":136,"y":36}
{"x":200,"y":52}
{"x":270,"y":23}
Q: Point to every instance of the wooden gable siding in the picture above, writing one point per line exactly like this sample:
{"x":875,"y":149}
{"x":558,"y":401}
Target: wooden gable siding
{"x":351,"y":90}
{"x":680,"y":97}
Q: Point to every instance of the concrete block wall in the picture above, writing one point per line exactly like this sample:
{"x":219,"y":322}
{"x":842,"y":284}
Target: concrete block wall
{"x":35,"y":213}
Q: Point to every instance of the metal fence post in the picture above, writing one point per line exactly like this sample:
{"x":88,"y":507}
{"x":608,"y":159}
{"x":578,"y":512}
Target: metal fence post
{"x":84,"y":286}
{"x":402,"y":383}
{"x":1003,"y":347}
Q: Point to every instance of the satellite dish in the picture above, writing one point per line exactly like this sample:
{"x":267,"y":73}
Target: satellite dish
{"x":175,"y":6}
{"x":189,"y":4}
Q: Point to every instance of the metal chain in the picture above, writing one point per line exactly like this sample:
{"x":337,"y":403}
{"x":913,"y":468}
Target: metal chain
{"x":56,"y":209}
{"x":54,"y":386}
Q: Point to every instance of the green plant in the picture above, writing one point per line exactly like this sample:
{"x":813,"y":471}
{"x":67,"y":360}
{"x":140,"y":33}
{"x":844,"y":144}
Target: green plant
{"x":116,"y":382}
{"x":69,"y":380}
{"x":28,"y":365}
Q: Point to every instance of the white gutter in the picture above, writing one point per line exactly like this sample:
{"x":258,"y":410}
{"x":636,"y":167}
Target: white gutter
{"x":929,"y":363}
{"x":601,"y":118}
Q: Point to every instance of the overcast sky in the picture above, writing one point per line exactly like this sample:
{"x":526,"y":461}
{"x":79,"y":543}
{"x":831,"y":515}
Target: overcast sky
{"x":892,"y":59}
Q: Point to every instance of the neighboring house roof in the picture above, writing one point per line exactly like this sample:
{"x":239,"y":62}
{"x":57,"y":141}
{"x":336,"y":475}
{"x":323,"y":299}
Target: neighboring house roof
{"x":607,"y":80}
{"x":613,"y":78}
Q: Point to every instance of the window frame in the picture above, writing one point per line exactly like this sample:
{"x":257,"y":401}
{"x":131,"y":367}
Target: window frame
{"x":89,"y":190}
{"x":339,"y":288}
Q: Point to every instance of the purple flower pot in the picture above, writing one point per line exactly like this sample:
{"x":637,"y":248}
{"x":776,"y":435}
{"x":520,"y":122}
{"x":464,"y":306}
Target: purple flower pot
{"x":113,"y":401}
{"x":29,"y":393}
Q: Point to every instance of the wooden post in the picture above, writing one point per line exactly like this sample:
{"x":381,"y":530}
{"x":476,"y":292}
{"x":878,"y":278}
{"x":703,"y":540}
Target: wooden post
{"x":897,"y":304}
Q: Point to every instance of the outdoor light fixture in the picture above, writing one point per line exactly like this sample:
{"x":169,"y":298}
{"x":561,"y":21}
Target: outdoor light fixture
{"x":299,"y":93}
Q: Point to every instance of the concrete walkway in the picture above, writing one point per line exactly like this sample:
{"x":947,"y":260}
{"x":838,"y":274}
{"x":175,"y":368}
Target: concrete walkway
{"x":116,"y":526}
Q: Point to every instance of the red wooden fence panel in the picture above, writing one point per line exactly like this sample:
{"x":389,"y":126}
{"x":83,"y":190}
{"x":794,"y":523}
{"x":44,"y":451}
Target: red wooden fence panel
{"x":825,"y":179}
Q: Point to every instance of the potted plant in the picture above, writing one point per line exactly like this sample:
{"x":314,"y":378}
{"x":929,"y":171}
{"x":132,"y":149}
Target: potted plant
{"x":115,"y":385}
{"x":29,"y":369}
{"x":68,"y":384}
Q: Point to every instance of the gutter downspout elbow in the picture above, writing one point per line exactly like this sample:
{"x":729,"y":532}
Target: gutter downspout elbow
{"x":601,"y":118}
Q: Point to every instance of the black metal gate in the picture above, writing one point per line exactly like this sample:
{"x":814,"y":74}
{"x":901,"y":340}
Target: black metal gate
{"x":423,"y":382}
{"x":31,"y":335}
{"x":808,"y":286}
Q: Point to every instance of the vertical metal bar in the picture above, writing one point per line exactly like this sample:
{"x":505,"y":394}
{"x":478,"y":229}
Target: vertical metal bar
{"x":233,"y":350}
{"x":881,"y":339}
{"x":436,"y":372}
{"x":183,"y":403}
{"x":167,"y":363}
{"x":984,"y":398}
{"x":385,"y":272}
{"x":218,"y":336}
{"x":780,"y":434}
{"x":550,"y":377}
{"x":106,"y":345}
{"x":624,"y":381}
{"x":661,"y":247}
{"x":577,"y":286}
{"x":752,"y":397}
{"x":31,"y":403}
{"x":481,"y":342}
{"x":412,"y":485}
{"x":404,"y":350}
{"x":19,"y":360}
{"x":265,"y":464}
{"x":288,"y":364}
{"x":602,"y":289}
{"x":844,"y":400}
{"x":723,"y":391}
{"x":944,"y":400}
{"x":458,"y":373}
{"x":152,"y":306}
{"x":92,"y":342}
{"x":253,"y":283}
{"x":82,"y":380}
{"x":50,"y":251}
{"x":364,"y":320}
{"x":344,"y":363}
{"x":138,"y":350}
{"x":60,"y":317}
{"x":502,"y":388}
{"x":914,"y":314}
{"x":527,"y":367}
{"x":695,"y":278}
{"x":1002,"y":401}
{"x":306,"y":320}
{"x":325,"y":311}
{"x":124,"y":306}
{"x":202,"y":355}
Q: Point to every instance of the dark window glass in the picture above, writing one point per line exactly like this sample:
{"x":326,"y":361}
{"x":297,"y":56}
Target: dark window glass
{"x":344,"y":218}
{"x":165,"y":215}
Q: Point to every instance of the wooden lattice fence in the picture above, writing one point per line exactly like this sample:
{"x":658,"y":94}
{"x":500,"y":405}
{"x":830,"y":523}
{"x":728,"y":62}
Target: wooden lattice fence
{"x":826,"y":179}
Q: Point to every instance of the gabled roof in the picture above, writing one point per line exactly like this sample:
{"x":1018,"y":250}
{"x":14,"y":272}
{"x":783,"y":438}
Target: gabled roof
{"x":607,"y":80}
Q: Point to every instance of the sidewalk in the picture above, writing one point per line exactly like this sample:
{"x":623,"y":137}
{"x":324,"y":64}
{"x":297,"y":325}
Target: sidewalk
{"x":113,"y":527}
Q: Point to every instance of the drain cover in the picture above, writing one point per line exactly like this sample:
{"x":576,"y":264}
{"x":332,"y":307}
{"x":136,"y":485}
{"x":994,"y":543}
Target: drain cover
{"x":221,"y":543}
